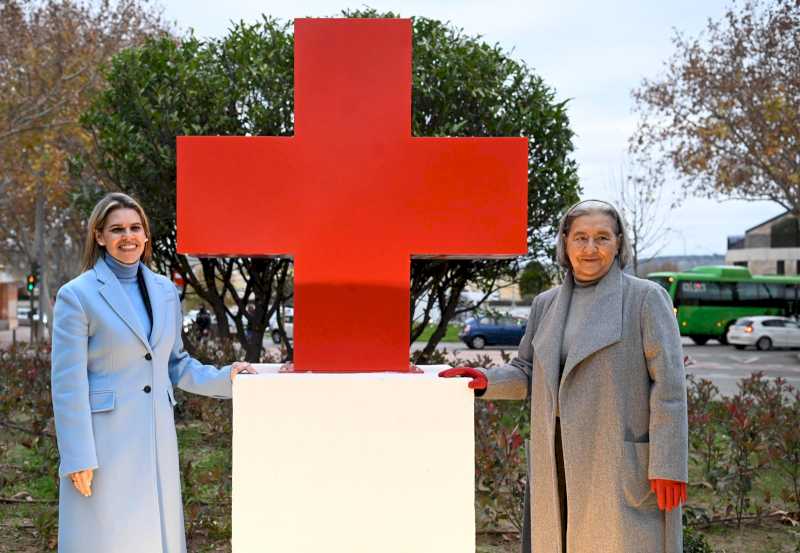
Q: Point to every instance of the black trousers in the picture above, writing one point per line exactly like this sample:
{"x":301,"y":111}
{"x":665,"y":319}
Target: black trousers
{"x":562,"y":497}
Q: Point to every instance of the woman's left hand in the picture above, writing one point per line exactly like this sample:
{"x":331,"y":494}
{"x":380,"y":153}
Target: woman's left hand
{"x":670,"y":493}
{"x":242,"y":367}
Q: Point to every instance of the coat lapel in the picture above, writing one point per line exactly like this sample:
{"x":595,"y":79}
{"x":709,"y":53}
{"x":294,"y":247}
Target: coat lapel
{"x":155,"y":289}
{"x":603,"y":325}
{"x":111,"y":291}
{"x":550,"y":333}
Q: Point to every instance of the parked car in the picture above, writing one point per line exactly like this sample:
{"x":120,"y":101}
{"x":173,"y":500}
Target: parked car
{"x":489,"y":331}
{"x":190,"y":316}
{"x":288,"y":326}
{"x":765,"y":332}
{"x":23,"y":315}
{"x":188,"y":319}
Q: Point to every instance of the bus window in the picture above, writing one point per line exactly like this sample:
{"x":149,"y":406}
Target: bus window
{"x":792,"y":305}
{"x":747,"y":291}
{"x":726,"y":291}
{"x":775,"y":291}
{"x":751,"y":291}
{"x":693,"y":292}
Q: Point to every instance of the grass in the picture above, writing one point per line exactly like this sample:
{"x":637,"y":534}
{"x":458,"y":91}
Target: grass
{"x":768,"y":535}
{"x":764,"y":537}
{"x":450,"y":336}
{"x":32,"y":474}
{"x":491,"y":543}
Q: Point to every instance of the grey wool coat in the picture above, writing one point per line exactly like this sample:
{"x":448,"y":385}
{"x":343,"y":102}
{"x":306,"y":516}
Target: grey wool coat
{"x":113,"y":401}
{"x":622,"y":407}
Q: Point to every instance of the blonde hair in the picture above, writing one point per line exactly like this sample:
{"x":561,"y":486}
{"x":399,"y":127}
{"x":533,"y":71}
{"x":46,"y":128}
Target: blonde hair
{"x":97,"y":220}
{"x":589,"y":207}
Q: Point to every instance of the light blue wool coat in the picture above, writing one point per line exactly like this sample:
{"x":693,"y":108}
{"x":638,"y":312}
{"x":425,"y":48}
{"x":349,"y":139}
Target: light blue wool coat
{"x":113,"y":401}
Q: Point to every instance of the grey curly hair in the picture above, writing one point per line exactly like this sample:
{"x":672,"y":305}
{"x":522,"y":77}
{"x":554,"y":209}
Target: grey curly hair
{"x":590,"y":207}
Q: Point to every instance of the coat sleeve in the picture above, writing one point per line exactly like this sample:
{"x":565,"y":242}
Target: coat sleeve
{"x":191,"y":375}
{"x":513,"y":380}
{"x":69,"y":385}
{"x":669,"y":429}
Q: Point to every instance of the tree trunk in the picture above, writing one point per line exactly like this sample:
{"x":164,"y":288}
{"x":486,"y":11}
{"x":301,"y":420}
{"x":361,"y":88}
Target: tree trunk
{"x":253,"y":349}
{"x":215,"y":300}
{"x":45,"y":308}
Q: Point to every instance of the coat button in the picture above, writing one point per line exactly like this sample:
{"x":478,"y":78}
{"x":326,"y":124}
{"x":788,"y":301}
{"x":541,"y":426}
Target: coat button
{"x":146,"y":389}
{"x":148,"y":356}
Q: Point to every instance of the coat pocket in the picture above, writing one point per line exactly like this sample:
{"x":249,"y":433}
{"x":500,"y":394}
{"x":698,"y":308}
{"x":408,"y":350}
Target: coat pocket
{"x":171,"y":397}
{"x":101,"y":401}
{"x":635,"y":481}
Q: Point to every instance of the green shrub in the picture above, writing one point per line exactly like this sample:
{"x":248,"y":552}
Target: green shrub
{"x":735,"y":443}
{"x":779,"y":404}
{"x":695,"y":542}
{"x":501,"y":429}
{"x":25,"y":401}
{"x":705,"y":428}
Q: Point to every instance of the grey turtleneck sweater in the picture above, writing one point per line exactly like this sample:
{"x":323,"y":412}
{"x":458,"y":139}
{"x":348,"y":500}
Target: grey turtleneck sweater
{"x":127,"y":276}
{"x":579,"y":305}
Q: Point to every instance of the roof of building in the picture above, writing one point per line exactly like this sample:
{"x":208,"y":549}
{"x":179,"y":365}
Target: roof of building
{"x":768,"y":221}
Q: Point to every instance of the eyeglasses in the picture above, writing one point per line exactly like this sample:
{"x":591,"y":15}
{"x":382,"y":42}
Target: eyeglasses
{"x":582,"y":241}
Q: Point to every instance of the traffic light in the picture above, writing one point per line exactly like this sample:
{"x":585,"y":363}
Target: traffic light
{"x":31,"y":282}
{"x":33,"y":279}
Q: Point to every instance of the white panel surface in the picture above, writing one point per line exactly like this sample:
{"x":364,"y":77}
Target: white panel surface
{"x":352,"y":463}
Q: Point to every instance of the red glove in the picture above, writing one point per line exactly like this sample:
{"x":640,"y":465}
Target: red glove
{"x":478,"y":381}
{"x":670,"y":493}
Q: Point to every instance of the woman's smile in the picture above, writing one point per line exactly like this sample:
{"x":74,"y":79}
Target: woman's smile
{"x":592,"y":245}
{"x":123,"y":235}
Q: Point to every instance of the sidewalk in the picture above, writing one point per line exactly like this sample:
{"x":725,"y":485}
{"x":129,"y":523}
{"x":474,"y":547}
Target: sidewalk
{"x":23,"y":334}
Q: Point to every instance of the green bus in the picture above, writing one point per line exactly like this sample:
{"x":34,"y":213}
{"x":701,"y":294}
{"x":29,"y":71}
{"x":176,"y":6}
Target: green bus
{"x":708,"y":299}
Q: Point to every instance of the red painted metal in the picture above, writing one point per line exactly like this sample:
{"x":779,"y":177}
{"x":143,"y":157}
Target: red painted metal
{"x":352,"y":196}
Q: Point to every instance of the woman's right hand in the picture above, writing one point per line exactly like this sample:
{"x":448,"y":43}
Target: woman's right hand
{"x":82,"y":480}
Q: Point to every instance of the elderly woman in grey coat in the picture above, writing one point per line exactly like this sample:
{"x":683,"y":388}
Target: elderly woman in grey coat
{"x":602,"y":363}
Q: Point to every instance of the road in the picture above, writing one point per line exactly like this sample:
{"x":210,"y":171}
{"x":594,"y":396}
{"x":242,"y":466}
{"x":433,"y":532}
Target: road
{"x":723,"y":365}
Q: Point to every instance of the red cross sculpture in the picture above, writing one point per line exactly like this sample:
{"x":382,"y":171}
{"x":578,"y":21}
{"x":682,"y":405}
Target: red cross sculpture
{"x":352,"y":196}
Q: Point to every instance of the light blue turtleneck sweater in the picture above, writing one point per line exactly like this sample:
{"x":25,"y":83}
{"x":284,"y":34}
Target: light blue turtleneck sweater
{"x":126,"y":274}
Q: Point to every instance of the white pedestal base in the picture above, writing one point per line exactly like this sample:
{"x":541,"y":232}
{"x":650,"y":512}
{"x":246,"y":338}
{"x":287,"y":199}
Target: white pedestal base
{"x":352,"y":463}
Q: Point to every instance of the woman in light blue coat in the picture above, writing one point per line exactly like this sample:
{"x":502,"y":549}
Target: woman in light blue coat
{"x":117,"y":355}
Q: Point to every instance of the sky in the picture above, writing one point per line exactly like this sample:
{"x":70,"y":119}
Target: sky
{"x":592,"y":54}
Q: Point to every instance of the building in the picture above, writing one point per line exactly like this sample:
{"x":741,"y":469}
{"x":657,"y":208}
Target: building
{"x":769,"y":248}
{"x":8,"y":301}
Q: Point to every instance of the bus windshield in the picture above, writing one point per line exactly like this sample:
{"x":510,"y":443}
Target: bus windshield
{"x":662,"y":280}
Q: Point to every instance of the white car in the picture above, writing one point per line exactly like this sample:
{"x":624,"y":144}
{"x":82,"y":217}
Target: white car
{"x":288,"y":326}
{"x":188,"y":318}
{"x":764,"y":332}
{"x":23,"y":315}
